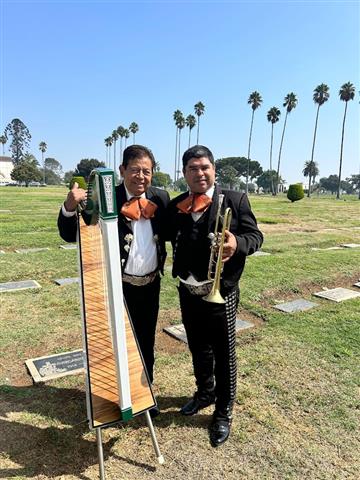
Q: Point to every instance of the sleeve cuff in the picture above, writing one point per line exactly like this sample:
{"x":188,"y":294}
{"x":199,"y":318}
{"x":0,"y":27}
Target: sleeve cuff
{"x":66,"y":213}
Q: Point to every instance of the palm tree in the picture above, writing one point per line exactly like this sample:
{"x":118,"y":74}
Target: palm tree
{"x":346,"y":93}
{"x":3,"y":140}
{"x":134,"y":127}
{"x":199,"y":110}
{"x":108,"y":142}
{"x":290,"y":102}
{"x":120,"y":130}
{"x":311,"y":170}
{"x":177,"y":114}
{"x":114,"y":136}
{"x":180,"y":123}
{"x":190,"y":122}
{"x":255,"y":101}
{"x":126,"y":135}
{"x":273,"y":116}
{"x":320,"y":96}
{"x":42,"y":148}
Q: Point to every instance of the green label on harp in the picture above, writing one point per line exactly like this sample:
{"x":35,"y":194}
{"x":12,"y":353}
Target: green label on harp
{"x":101,"y":199}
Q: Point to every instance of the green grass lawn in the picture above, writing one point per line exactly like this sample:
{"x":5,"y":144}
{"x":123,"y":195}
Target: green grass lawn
{"x":297,"y":413}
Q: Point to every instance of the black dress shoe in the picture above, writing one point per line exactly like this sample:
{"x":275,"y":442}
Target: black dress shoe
{"x":219,"y":432}
{"x":154,"y":412}
{"x":196,"y":404}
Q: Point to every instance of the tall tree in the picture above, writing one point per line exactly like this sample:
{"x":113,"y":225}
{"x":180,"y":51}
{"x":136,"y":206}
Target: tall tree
{"x":199,"y":110}
{"x":115,"y":136}
{"x":108,"y":142}
{"x":134,"y":128}
{"x":255,"y":101}
{"x":176,"y":115}
{"x":290,"y":102}
{"x":180,"y":123}
{"x":190,"y":122}
{"x":42,"y":148}
{"x":320,"y":96}
{"x":21,"y":137}
{"x":3,"y":140}
{"x":121,"y":131}
{"x":126,"y":135}
{"x":311,"y":170}
{"x":346,"y":93}
{"x":273,"y":116}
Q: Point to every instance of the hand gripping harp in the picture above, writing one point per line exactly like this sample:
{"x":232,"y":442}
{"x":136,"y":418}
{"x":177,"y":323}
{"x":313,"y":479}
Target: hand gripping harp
{"x":117,"y":384}
{"x":216,"y":252}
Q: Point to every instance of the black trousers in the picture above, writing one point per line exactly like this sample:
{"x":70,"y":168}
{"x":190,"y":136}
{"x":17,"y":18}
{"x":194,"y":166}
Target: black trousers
{"x":143,"y":307}
{"x":211,"y":334}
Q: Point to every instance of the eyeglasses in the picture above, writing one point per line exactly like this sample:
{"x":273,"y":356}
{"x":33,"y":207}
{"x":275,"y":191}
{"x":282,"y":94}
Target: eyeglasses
{"x":136,"y":171}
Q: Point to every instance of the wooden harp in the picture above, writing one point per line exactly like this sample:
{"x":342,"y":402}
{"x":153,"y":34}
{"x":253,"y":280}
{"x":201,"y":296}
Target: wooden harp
{"x":117,"y":384}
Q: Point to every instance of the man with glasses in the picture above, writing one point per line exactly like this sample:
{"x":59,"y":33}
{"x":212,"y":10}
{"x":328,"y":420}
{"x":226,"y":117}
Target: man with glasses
{"x":141,"y":210}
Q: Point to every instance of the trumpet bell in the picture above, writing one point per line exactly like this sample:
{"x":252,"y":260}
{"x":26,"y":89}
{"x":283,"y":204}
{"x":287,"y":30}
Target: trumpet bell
{"x":214,"y":297}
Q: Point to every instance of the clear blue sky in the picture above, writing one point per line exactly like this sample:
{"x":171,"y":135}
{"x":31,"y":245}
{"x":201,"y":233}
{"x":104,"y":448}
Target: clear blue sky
{"x":73,"y":71}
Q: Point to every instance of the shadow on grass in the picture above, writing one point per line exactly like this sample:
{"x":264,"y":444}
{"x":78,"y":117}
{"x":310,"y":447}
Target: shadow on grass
{"x":51,"y":441}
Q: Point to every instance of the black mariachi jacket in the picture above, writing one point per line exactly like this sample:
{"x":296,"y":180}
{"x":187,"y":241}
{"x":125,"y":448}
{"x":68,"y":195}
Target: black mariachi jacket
{"x":191,"y":245}
{"x":68,"y":225}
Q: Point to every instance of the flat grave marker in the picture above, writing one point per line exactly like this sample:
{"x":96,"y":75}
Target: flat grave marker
{"x":299,"y":305}
{"x":16,"y":286}
{"x":178,"y":331}
{"x":338,"y":294}
{"x":357,"y":284}
{"x":350,"y":245}
{"x":70,"y":246}
{"x":5,"y":211}
{"x":31,"y":250}
{"x":59,"y":365}
{"x":329,"y":248}
{"x":260,"y":253}
{"x":66,"y":281}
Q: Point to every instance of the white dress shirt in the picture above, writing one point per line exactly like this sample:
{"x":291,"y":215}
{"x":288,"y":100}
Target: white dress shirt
{"x":142,"y":258}
{"x":142,"y":255}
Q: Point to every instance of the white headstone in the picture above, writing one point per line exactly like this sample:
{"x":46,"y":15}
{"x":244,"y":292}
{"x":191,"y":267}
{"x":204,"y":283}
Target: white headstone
{"x":338,"y":294}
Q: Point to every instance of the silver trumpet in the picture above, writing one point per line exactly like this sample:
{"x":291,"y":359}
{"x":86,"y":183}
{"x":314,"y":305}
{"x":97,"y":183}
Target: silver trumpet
{"x":217,"y":245}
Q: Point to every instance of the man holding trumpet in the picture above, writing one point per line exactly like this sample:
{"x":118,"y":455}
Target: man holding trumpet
{"x":209,"y":265}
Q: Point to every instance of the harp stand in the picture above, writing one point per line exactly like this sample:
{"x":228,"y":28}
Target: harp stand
{"x":117,"y":385}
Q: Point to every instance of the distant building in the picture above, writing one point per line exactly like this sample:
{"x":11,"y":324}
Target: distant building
{"x":6,"y":167}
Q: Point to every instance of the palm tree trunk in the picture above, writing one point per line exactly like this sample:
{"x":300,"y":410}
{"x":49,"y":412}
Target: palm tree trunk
{"x":42,"y":154}
{"x":176,"y":149}
{"x":114,"y":155}
{"x":134,"y":138}
{"x":189,"y":136}
{"x":341,"y":152}
{"x":248,"y":156}
{"x":198,"y":127}
{"x":313,"y":148}
{"x":271,"y":146}
{"x":281,"y":144}
{"x":178,"y":163}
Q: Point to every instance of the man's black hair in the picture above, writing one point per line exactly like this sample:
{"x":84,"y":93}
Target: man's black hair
{"x":135,"y":152}
{"x":197,"y":151}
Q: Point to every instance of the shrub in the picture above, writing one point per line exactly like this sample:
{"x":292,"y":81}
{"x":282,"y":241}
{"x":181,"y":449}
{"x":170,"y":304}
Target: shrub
{"x":295,"y":192}
{"x":79,"y":180}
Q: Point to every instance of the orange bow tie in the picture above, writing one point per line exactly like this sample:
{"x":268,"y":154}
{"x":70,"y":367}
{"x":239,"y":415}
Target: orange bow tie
{"x":194,"y":203}
{"x":138,"y":207}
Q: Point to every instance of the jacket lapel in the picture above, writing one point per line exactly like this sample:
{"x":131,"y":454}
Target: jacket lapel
{"x":120,"y":200}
